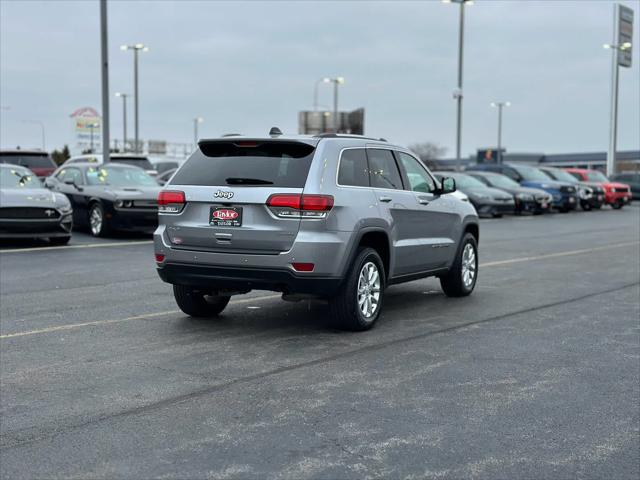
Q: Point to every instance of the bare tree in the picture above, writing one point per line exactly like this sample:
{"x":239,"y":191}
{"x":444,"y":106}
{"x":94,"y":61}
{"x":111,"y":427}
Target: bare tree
{"x":428,"y":152}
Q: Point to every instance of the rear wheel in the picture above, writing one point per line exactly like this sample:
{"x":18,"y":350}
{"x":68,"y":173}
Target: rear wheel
{"x":59,"y":240}
{"x":586,"y":206}
{"x":618,"y":205}
{"x":463,"y":275}
{"x":358,"y":303}
{"x":197,"y":303}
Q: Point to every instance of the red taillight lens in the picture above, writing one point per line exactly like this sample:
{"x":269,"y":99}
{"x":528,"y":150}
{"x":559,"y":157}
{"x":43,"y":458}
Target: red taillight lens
{"x":287,"y":205}
{"x":317,"y":203}
{"x":284,"y":200}
{"x":159,"y":257}
{"x":302,"y":267}
{"x":167,"y":197}
{"x":171,"y":201}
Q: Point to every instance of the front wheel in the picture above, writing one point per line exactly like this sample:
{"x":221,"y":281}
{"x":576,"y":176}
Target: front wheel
{"x":586,"y":206}
{"x":617,"y":205}
{"x":196,"y":303}
{"x":358,"y":303}
{"x":97,"y":221}
{"x":463,"y":275}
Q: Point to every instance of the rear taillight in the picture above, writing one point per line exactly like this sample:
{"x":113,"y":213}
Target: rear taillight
{"x":171,"y":201}
{"x":286,"y":205}
{"x":159,"y":257}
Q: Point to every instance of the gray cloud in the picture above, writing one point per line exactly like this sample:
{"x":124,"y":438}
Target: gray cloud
{"x":246,"y":66}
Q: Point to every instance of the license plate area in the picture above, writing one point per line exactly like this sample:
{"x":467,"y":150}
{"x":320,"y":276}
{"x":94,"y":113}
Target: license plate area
{"x":225,"y":216}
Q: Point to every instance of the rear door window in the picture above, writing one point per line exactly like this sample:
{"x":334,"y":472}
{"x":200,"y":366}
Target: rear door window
{"x":353,"y":168}
{"x":248,"y":163}
{"x":27,"y":160}
{"x":383,"y":171}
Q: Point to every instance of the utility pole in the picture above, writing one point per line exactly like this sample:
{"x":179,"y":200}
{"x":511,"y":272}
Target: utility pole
{"x":105,"y":83}
{"x":500,"y":106}
{"x":124,"y":119}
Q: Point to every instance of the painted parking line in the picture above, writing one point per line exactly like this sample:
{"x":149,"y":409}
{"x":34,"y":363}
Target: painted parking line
{"x":84,"y":245}
{"x":120,"y":320}
{"x":559,"y":254}
{"x":267,"y":297}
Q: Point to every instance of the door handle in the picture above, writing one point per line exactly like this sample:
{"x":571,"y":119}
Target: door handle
{"x":424,"y":200}
{"x":385,"y":199}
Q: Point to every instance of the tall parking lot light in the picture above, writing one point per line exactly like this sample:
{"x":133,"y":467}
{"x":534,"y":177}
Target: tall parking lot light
{"x":196,"y":121}
{"x":500,"y":106}
{"x":136,"y":48}
{"x":457,"y":95}
{"x":124,"y":119}
{"x":336,"y":81}
{"x":315,"y":91}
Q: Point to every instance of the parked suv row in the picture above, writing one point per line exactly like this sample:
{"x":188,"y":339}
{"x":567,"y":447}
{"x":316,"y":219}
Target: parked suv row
{"x":330,"y":216}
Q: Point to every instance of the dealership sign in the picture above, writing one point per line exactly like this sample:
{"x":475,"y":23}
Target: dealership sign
{"x":87,"y":124}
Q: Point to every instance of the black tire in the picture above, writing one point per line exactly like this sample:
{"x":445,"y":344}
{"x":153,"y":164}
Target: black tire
{"x":598,"y":206}
{"x":344,"y":307}
{"x":452,"y":283}
{"x":104,"y":229}
{"x":617,"y":205}
{"x":586,"y":206}
{"x":496,"y":215}
{"x":197,"y":303}
{"x":58,"y":241}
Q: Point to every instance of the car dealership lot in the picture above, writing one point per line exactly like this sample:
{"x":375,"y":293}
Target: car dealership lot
{"x":537,"y":374}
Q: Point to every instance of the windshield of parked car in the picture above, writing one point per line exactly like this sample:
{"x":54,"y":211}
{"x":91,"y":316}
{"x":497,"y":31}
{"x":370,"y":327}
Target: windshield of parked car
{"x":140,"y":162}
{"x":595,"y":176}
{"x":11,"y":177}
{"x":500,"y":181}
{"x":558,"y":174}
{"x":465,"y":181}
{"x":119,"y":177}
{"x":36,"y":160}
{"x":532,"y":174}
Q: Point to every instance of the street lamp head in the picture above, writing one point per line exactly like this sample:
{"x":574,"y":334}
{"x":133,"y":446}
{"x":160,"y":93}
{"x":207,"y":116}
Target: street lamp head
{"x":625,"y":46}
{"x":326,"y":80}
{"x":145,"y":49}
{"x":339,"y":80}
{"x":124,"y":47}
{"x":494,"y":104}
{"x":507,"y":104}
{"x":199,"y":119}
{"x":139,"y":46}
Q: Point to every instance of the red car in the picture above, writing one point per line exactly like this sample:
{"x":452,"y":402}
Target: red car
{"x":38,"y":161}
{"x":615,"y":194}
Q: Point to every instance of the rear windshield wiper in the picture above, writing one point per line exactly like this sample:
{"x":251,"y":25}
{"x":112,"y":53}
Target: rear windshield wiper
{"x":247,"y":181}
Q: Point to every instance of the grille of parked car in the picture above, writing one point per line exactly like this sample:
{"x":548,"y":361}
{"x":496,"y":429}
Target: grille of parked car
{"x":621,"y":190}
{"x":568,"y":189}
{"x":150,"y":204}
{"x":9,"y":213}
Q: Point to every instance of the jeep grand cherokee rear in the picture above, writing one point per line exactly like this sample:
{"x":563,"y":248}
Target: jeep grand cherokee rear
{"x":330,"y":216}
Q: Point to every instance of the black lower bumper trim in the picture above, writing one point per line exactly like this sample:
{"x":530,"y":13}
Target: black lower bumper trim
{"x":244,"y":279}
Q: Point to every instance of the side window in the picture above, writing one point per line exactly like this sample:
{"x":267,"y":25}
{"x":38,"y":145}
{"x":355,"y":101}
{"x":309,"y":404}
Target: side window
{"x":353,"y":168}
{"x":383,"y":171}
{"x":70,"y":173}
{"x":419,"y":179}
{"x":512,"y":174}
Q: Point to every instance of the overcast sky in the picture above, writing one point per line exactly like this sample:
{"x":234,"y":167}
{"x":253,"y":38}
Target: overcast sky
{"x":246,"y":66}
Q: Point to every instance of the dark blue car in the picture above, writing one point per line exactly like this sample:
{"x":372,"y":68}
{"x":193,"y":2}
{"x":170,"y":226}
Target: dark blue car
{"x":565,"y":196}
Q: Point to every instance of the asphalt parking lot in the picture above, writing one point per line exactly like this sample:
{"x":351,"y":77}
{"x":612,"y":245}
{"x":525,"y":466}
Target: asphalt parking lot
{"x":536,"y":375}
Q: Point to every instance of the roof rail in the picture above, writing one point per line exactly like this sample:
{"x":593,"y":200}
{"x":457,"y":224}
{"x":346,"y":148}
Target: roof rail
{"x":346,"y":135}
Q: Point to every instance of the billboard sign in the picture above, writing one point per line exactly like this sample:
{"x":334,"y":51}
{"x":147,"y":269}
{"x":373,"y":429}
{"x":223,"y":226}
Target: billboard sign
{"x":87,"y":125}
{"x":625,"y":35}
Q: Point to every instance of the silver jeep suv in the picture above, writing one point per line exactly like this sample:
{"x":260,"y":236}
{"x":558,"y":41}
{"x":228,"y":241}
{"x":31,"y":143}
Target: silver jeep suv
{"x":339,"y":217}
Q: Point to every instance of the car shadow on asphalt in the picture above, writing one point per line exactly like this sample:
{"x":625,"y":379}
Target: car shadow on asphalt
{"x":307,"y":317}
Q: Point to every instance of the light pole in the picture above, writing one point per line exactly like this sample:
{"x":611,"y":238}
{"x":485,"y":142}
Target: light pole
{"x":336,"y":81}
{"x":38,"y":122}
{"x":196,"y":121}
{"x":124,"y":119}
{"x":315,"y":91}
{"x":136,"y":48}
{"x":91,"y":127}
{"x":458,"y":93}
{"x":613,"y":122}
{"x":500,"y":106}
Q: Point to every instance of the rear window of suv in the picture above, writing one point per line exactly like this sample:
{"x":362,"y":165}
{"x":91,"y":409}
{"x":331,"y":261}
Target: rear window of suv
{"x":28,"y":160}
{"x":248,"y":163}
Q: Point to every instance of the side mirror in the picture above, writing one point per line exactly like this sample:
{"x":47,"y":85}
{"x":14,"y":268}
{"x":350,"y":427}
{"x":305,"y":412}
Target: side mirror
{"x":70,"y":181}
{"x":448,"y":185}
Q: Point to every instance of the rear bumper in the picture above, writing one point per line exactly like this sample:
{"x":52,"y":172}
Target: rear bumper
{"x":217,"y":278}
